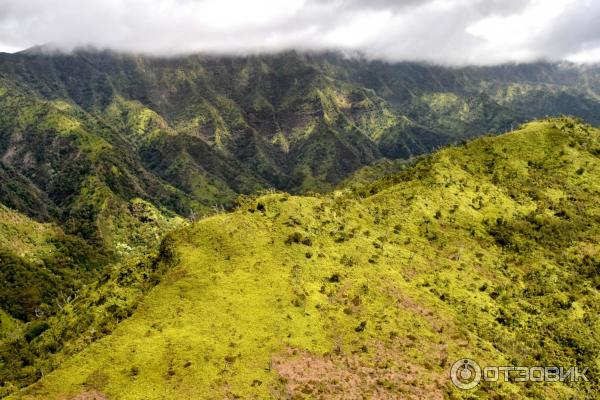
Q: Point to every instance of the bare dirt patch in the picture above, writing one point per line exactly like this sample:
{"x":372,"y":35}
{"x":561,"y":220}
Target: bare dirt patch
{"x":350,"y":377}
{"x":90,"y":395}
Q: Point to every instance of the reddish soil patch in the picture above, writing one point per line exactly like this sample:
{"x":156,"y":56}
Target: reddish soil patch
{"x":90,"y":395}
{"x":349,"y":377}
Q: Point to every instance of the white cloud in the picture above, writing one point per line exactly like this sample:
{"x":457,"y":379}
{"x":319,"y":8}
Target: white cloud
{"x":446,"y":31}
{"x":8,"y":49}
{"x":519,"y":29}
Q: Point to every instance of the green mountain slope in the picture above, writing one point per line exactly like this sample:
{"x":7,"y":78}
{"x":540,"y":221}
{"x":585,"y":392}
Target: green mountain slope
{"x":40,"y":265}
{"x":212,"y":127}
{"x":44,"y":267}
{"x":488,"y":251}
{"x":61,"y":164}
{"x":102,"y":154}
{"x":45,"y":275}
{"x":83,"y":134}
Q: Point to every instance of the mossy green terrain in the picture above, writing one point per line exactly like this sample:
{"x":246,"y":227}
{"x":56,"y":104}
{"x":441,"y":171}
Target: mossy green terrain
{"x":103,"y":154}
{"x":488,"y":251}
{"x":8,"y":324}
{"x":43,"y":270}
{"x":40,"y":263}
{"x":54,"y":305}
{"x":24,"y":236}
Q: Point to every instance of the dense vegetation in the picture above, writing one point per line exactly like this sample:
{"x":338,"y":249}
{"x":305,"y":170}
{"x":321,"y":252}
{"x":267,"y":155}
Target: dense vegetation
{"x":191,"y":132}
{"x":84,"y":134}
{"x":488,"y":250}
{"x":103,"y":154}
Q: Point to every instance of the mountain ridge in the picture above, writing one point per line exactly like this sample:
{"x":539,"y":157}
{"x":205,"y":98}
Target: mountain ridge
{"x":103,"y":154}
{"x":486,"y":250}
{"x":294,"y":121}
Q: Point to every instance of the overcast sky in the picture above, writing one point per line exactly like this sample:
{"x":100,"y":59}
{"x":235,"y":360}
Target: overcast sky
{"x":446,"y":31}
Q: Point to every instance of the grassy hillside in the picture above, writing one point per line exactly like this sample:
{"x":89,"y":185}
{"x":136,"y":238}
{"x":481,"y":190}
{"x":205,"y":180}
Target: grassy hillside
{"x":8,"y":324}
{"x":39,"y":264}
{"x":488,"y":251}
{"x":44,"y":271}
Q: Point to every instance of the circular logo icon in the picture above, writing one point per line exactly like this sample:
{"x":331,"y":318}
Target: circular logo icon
{"x":465,"y":374}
